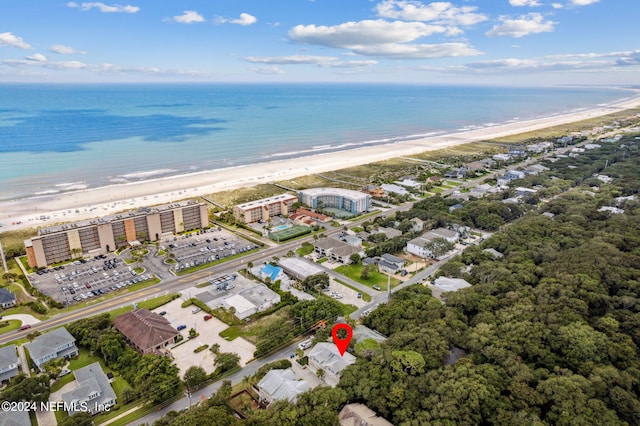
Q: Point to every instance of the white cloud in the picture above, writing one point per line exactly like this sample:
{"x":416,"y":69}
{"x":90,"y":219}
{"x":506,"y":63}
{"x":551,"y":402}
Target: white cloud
{"x":104,"y":8}
{"x":245,"y":19}
{"x":437,"y":12}
{"x":532,"y":23}
{"x":583,"y":2}
{"x":8,"y":39}
{"x":188,"y":17}
{"x":64,"y":50}
{"x":531,"y":3}
{"x":38,"y":57}
{"x":381,"y":38}
{"x":370,"y":32}
{"x":557,"y":5}
{"x":268,"y":70}
{"x":322,"y":61}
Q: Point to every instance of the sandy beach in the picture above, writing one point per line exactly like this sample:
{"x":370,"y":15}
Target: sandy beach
{"x":95,"y":202}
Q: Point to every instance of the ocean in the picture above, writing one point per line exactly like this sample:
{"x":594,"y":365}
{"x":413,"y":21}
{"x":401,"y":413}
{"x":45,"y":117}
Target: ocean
{"x":56,"y":138}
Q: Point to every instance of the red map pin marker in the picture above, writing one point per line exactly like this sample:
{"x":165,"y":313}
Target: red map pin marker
{"x":342,"y":344}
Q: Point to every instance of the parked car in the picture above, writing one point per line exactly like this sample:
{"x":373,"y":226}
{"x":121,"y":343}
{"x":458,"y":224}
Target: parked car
{"x":207,"y":317}
{"x":162,"y":313}
{"x":196,"y":310}
{"x":25,"y":327}
{"x":181,"y":327}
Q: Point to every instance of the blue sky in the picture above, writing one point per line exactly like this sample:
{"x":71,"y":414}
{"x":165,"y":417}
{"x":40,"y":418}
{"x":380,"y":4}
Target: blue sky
{"x":520,"y":42}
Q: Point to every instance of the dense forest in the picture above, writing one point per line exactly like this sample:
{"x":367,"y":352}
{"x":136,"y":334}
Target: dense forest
{"x":549,"y":332}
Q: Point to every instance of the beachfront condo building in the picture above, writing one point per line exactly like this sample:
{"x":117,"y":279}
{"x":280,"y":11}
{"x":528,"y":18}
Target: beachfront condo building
{"x":108,"y":233}
{"x":355,"y":202}
{"x":265,"y":208}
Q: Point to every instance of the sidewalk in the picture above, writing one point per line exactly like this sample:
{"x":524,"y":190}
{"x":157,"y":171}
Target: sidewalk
{"x":119,"y":416}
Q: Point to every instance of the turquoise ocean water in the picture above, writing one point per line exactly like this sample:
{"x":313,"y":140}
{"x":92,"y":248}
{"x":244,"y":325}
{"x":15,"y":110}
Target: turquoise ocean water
{"x":57,"y":138}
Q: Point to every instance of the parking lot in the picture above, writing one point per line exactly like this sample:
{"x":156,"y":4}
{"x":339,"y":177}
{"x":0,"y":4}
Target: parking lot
{"x":209,"y":334}
{"x":344,"y":294}
{"x":91,"y":277}
{"x":205,"y":247}
{"x":87,"y":278}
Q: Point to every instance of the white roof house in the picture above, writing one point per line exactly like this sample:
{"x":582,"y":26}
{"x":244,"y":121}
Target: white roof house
{"x":281,"y":384}
{"x":93,"y":390}
{"x":252,"y":300}
{"x":450,"y":284}
{"x":325,"y":357}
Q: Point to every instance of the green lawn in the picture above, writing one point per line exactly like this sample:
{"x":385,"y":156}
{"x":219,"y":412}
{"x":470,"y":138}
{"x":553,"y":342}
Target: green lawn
{"x":10,"y":325}
{"x":305,"y":250}
{"x":147,"y":304}
{"x":215,"y":262}
{"x":231,"y":333}
{"x":375,"y":277}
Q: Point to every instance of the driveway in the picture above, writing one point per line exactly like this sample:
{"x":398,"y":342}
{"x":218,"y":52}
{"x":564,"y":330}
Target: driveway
{"x":24,"y":318}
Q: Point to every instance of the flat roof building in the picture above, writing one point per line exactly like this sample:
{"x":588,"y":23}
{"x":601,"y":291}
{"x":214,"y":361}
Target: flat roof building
{"x":355,"y":202}
{"x":265,"y":208}
{"x":102,"y":235}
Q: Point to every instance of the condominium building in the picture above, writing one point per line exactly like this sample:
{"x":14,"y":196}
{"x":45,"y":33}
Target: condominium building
{"x":355,"y":202}
{"x":108,"y":233}
{"x":265,"y":208}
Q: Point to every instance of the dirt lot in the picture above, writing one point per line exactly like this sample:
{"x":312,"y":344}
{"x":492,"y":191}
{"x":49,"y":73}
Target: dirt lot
{"x":209,"y":334}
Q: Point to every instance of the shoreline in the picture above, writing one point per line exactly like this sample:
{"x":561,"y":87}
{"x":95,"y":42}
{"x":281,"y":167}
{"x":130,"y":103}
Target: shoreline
{"x":109,"y":199}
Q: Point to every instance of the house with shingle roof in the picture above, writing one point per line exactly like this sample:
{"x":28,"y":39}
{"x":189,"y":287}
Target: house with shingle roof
{"x":281,"y":384}
{"x":9,"y":363}
{"x":7,"y":298}
{"x":325,"y":356}
{"x":146,"y":331}
{"x":93,"y":392}
{"x":58,"y":343}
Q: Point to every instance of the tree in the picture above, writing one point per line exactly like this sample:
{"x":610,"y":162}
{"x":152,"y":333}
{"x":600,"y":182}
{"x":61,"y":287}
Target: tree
{"x":128,"y":395}
{"x":354,"y":258}
{"x":35,"y":389}
{"x":194,"y":376}
{"x":156,"y":377}
{"x":366,"y":272}
{"x":81,"y":418}
{"x":226,"y":361}
{"x":215,"y":348}
{"x":9,"y":276}
{"x":192,"y":333}
{"x":439,"y":247}
{"x":316,"y":281}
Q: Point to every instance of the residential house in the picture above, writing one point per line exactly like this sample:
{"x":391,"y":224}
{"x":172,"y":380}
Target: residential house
{"x":325,"y":356}
{"x":480,"y":191}
{"x":390,"y":264}
{"x":362,"y":333}
{"x":148,"y":332}
{"x":540,"y":147}
{"x":455,"y":207}
{"x":352,"y":240}
{"x":501,"y":157}
{"x":456,"y":172}
{"x":410,"y":182}
{"x":9,"y":363}
{"x":509,"y":177}
{"x":7,"y":298}
{"x":517,"y":150}
{"x":590,"y":146}
{"x":493,"y":252}
{"x":418,"y":246}
{"x":621,"y":201}
{"x":417,"y":224}
{"x":525,"y":192}
{"x":280,"y":385}
{"x":389,"y":232}
{"x":319,"y":217}
{"x":534,"y":169}
{"x":93,"y":392}
{"x":58,"y":343}
{"x":390,"y":188}
{"x":374,"y":191}
{"x":14,"y":418}
{"x":565,"y":140}
{"x":450,"y":284}
{"x":336,"y":250}
{"x":360,"y":415}
{"x":612,"y":210}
